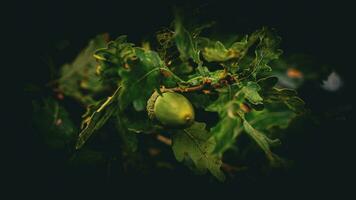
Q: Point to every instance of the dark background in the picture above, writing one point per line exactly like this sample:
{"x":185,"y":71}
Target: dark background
{"x":320,"y":29}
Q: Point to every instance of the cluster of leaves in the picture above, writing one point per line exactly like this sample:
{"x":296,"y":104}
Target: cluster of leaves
{"x":233,"y":79}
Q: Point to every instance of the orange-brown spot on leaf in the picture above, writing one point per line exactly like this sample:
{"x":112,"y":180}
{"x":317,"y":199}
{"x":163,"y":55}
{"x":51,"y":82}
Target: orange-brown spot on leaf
{"x":166,"y":73}
{"x":294,"y":73}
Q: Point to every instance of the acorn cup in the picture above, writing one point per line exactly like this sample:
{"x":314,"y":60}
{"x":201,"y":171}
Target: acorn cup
{"x":171,"y":109}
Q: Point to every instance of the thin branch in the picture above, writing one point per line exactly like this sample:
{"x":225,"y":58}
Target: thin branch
{"x":231,"y":169}
{"x":147,"y":74}
{"x":206,"y":84}
{"x":181,"y":89}
{"x":164,"y":140}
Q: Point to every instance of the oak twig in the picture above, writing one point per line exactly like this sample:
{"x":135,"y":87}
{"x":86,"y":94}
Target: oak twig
{"x":164,"y":140}
{"x":181,"y":89}
{"x":206,"y":85}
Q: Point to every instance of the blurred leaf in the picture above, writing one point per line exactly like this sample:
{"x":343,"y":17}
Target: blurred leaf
{"x":128,"y":137}
{"x":306,"y":68}
{"x":87,"y":157}
{"x":217,"y":52}
{"x":53,"y":123}
{"x":79,"y":79}
{"x":185,"y":43}
{"x":198,"y":100}
{"x":196,"y":143}
{"x":266,"y":51}
{"x":165,"y":40}
{"x":183,"y":68}
{"x":287,"y":96}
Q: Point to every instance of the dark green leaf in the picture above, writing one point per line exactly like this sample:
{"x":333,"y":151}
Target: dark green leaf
{"x":196,"y":143}
{"x":183,"y":68}
{"x":198,"y":100}
{"x":96,"y":119}
{"x":87,"y":157}
{"x":113,"y":58}
{"x":268,"y":82}
{"x":250,"y":92}
{"x":141,"y":79}
{"x":226,"y":95}
{"x":128,"y":137}
{"x":225,"y":132}
{"x":270,"y":118}
{"x":262,"y":141}
{"x":229,"y":126}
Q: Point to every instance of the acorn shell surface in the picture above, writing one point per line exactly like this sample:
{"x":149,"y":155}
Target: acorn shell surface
{"x":174,"y":110}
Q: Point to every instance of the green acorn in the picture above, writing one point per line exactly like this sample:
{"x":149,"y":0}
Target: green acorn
{"x":171,"y":110}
